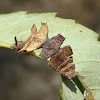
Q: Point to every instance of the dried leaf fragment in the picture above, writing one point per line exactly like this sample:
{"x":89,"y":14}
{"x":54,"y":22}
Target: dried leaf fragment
{"x":34,"y":42}
{"x":68,"y":71}
{"x":60,"y":56}
{"x":62,"y":62}
{"x":36,"y":39}
{"x":51,"y":46}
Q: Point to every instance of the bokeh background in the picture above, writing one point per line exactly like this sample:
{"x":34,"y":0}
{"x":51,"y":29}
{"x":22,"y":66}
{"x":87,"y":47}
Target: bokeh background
{"x":28,"y":77}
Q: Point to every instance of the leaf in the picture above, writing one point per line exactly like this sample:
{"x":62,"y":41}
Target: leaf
{"x":62,"y":62}
{"x":70,"y":91}
{"x":51,"y":46}
{"x":84,"y":43}
{"x":34,"y":42}
{"x":36,"y":39}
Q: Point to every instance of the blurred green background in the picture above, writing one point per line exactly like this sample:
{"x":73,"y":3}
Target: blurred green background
{"x":28,"y":77}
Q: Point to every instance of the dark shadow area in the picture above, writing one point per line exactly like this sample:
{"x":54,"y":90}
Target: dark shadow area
{"x":26,"y":78}
{"x":69,"y":84}
{"x":78,"y":83}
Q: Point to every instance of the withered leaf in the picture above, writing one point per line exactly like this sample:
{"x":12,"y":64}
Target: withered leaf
{"x":51,"y":46}
{"x":62,"y":62}
{"x":60,"y":56}
{"x":34,"y":42}
{"x":36,"y":39}
{"x":68,"y":71}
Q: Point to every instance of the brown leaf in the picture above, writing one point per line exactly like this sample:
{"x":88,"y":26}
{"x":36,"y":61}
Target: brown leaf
{"x":34,"y":42}
{"x":60,"y":56}
{"x":51,"y":46}
{"x":36,"y":39}
{"x":68,"y":71}
{"x":62,"y":62}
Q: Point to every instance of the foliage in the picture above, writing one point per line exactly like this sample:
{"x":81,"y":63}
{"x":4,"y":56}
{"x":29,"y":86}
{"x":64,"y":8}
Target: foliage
{"x":84,"y":42}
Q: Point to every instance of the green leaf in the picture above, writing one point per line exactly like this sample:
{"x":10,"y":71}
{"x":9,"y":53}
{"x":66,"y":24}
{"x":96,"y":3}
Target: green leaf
{"x":84,"y":42}
{"x":70,"y":91}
